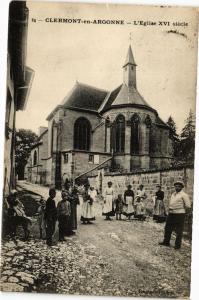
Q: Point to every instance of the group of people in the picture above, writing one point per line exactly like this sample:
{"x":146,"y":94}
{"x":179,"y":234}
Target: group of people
{"x":65,"y":213}
{"x":130,"y":204}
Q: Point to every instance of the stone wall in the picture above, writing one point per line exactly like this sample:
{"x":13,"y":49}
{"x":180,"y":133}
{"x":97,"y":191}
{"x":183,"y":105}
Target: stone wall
{"x":149,"y":180}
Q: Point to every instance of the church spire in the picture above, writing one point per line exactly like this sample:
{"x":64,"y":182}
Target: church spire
{"x":129,"y":69}
{"x":129,"y":58}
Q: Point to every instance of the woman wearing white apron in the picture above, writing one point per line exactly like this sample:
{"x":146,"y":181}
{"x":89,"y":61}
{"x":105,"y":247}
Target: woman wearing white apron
{"x":108,"y":210}
{"x":87,"y":214}
{"x":128,"y":209}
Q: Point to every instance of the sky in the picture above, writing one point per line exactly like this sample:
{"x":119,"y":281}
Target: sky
{"x":61,"y":53}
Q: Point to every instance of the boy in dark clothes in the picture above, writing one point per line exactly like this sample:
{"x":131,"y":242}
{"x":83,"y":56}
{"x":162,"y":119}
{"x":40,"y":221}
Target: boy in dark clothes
{"x":51,"y":216}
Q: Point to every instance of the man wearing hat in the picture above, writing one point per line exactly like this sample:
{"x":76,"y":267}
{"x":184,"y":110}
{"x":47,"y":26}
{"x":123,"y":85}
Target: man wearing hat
{"x":178,"y":205}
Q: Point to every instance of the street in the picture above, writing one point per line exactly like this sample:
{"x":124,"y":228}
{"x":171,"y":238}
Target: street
{"x":119,"y":258}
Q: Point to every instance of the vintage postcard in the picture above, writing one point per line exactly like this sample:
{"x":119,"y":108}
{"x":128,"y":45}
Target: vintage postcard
{"x":99,"y":149}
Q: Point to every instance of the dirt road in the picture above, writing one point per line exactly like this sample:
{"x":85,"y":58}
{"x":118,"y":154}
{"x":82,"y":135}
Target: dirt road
{"x":106,"y":258}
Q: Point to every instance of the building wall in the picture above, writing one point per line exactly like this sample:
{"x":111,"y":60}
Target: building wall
{"x":67,"y":134}
{"x":37,"y":173}
{"x":43,"y":148}
{"x":8,"y":145}
{"x":149,"y":180}
{"x":80,"y":161}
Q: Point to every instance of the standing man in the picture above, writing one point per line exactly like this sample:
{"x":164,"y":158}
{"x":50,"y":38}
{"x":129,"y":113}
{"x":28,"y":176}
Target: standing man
{"x":178,"y":205}
{"x":50,"y":216}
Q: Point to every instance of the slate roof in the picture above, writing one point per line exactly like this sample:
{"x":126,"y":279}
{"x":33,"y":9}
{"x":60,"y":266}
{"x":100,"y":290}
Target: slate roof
{"x":85,"y":97}
{"x":125,"y":95}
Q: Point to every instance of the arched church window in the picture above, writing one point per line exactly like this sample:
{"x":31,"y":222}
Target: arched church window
{"x":35,"y":158}
{"x":135,"y":134}
{"x":120,"y":134}
{"x":82,"y":134}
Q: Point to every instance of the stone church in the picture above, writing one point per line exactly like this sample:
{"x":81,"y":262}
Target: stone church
{"x":93,"y":128}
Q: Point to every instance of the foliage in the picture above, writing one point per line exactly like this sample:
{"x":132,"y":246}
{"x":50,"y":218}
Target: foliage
{"x":184,"y":143}
{"x":187,"y":143}
{"x":24,"y":141}
{"x":174,"y":136}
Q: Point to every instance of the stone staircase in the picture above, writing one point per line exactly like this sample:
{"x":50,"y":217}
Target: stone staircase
{"x":106,"y":165}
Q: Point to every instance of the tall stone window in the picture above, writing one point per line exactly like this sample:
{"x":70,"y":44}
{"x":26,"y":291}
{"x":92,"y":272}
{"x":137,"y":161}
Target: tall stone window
{"x":82,"y":134}
{"x":107,"y":124}
{"x":35,"y":158}
{"x":135,"y":134}
{"x":52,"y":137}
{"x":120,"y":134}
{"x":148,"y":123}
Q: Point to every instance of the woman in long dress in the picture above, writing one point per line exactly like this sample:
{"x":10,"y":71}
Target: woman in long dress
{"x":87,"y":214}
{"x":73,"y":199}
{"x":140,"y":204}
{"x":108,"y":209}
{"x":159,"y":208}
{"x":74,"y":202}
{"x":128,"y":209}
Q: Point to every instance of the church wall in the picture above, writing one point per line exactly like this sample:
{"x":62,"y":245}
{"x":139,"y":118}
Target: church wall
{"x":128,"y":112}
{"x":68,"y":130}
{"x":156,"y":141}
{"x":48,"y":165}
{"x":99,"y":139}
{"x":43,"y":148}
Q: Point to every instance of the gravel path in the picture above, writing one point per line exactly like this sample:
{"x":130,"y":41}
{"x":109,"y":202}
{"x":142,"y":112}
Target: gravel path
{"x":106,"y":258}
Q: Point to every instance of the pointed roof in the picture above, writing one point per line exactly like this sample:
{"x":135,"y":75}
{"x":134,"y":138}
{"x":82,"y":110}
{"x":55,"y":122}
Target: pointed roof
{"x":125,"y":95}
{"x":129,"y":58}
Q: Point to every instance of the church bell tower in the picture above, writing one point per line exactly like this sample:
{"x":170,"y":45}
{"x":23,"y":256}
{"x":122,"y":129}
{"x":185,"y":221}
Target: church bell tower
{"x":129,"y":70}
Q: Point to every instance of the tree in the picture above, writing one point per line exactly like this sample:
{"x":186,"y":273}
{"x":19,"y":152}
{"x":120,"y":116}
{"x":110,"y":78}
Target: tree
{"x":172,"y":125}
{"x":187,"y":143}
{"x":24,"y":141}
{"x":174,"y":136}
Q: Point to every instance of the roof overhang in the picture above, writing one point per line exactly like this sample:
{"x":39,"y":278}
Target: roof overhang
{"x":130,"y":105}
{"x":23,"y":89}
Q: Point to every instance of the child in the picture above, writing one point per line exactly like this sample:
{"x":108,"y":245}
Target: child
{"x":41,"y":218}
{"x":119,"y":207}
{"x":64,"y":213}
{"x":140,"y":209}
{"x":50,"y":216}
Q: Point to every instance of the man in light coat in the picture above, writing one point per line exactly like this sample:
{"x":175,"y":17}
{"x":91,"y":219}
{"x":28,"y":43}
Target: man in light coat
{"x":179,"y":204}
